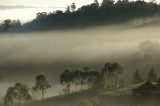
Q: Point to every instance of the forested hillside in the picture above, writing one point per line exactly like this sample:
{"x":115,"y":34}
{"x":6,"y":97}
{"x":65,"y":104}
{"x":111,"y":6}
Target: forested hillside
{"x":108,"y":12}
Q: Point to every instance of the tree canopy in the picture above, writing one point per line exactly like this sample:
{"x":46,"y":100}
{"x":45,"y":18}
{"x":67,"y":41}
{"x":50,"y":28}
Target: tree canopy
{"x":152,"y":77}
{"x":107,"y":12}
{"x":17,"y":94}
{"x":137,"y":78}
{"x":41,"y":84}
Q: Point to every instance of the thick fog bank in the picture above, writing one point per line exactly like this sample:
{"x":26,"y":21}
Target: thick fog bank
{"x":24,"y":55}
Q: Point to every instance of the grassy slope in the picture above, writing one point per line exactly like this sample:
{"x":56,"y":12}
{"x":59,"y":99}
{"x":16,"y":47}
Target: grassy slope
{"x":63,"y":100}
{"x":115,"y":97}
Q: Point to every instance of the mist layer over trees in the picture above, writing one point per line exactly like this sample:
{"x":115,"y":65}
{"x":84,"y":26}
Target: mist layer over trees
{"x":92,"y":66}
{"x":27,"y":54}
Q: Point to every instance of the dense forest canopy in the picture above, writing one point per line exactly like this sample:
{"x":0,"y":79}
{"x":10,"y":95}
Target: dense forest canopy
{"x":107,"y":12}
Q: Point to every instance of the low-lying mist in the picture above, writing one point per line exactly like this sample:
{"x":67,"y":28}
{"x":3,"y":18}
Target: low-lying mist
{"x":24,"y":55}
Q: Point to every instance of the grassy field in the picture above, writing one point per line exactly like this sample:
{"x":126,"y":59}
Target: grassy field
{"x":115,"y":97}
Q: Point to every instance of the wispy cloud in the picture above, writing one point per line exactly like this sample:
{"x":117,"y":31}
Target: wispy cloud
{"x":4,"y":7}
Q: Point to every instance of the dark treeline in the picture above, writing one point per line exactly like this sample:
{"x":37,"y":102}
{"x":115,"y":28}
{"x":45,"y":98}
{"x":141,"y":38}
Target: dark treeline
{"x":107,"y":12}
{"x":20,"y":93}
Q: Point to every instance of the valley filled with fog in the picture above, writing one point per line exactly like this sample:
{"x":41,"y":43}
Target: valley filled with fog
{"x":24,"y":55}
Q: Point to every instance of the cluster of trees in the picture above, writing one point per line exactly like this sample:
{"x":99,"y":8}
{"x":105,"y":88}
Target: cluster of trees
{"x":150,"y":87}
{"x":112,"y":73}
{"x":82,"y":79}
{"x":108,"y":77}
{"x":107,"y":12}
{"x":10,"y":25}
{"x":79,"y":77}
{"x":152,"y":77}
{"x":19,"y":93}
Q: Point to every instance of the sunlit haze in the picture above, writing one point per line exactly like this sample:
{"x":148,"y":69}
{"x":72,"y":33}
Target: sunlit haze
{"x":28,"y":14}
{"x":23,"y":14}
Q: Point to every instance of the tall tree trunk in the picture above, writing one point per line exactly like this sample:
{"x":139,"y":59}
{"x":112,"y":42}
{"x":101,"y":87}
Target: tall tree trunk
{"x":116,"y":81}
{"x":68,"y":88}
{"x":81,"y":85}
{"x":76,"y":87}
{"x":42,"y":94}
{"x":108,"y":82}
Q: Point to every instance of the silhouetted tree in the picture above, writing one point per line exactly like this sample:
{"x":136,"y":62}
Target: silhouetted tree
{"x":112,"y":71}
{"x":10,"y":95}
{"x":66,"y":78}
{"x":99,"y":84}
{"x":137,"y":78}
{"x":152,"y":77}
{"x":81,"y":76}
{"x":68,"y":9}
{"x":6,"y":24}
{"x":73,"y":7}
{"x":84,"y":76}
{"x":41,"y":84}
{"x":58,"y":12}
{"x":19,"y":92}
{"x":96,"y":2}
{"x":41,"y":15}
{"x":16,"y":23}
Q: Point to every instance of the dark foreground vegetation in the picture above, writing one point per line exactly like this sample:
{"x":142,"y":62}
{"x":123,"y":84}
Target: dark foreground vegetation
{"x":86,"y":87}
{"x":107,"y":12}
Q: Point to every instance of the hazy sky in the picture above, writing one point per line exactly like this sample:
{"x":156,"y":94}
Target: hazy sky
{"x":44,"y":3}
{"x":27,"y":14}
